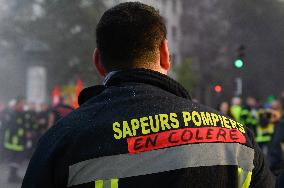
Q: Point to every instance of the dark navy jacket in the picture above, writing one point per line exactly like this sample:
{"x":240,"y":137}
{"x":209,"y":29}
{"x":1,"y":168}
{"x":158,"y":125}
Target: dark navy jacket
{"x":141,"y":130}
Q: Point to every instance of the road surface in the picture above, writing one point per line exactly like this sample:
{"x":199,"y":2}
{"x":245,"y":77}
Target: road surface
{"x":4,"y":172}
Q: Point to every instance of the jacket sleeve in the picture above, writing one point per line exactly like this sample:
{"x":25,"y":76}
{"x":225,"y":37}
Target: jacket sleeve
{"x":262,"y":177}
{"x":45,"y":169}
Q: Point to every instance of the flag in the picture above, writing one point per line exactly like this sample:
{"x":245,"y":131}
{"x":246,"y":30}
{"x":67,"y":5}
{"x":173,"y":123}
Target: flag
{"x":78,"y":89}
{"x":55,"y":94}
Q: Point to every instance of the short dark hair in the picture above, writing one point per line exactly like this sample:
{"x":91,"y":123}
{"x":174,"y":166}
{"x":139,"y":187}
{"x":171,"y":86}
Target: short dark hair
{"x":128,"y":35}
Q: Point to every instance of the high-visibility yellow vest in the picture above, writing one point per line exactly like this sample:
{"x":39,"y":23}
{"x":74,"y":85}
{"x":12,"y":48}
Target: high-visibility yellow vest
{"x":12,"y":142}
{"x":264,"y":134}
{"x":236,"y":112}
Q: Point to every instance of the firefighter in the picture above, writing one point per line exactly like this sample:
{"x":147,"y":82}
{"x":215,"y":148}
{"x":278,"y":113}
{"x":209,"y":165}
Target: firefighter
{"x":42,"y":120}
{"x":14,"y":140}
{"x":275,"y":152}
{"x":141,"y":129}
{"x":59,"y":111}
{"x":249,"y":114}
{"x":267,"y":119}
{"x":265,"y":129}
{"x":236,"y":108}
{"x":4,"y":118}
{"x":32,"y":129}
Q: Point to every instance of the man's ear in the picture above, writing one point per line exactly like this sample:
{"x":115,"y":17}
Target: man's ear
{"x":97,"y":62}
{"x":165,"y":56}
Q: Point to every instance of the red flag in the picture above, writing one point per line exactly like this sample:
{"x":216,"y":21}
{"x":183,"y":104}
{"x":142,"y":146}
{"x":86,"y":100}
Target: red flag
{"x":78,"y":89}
{"x":55,"y":94}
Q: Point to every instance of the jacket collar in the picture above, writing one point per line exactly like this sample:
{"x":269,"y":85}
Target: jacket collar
{"x":145,"y":76}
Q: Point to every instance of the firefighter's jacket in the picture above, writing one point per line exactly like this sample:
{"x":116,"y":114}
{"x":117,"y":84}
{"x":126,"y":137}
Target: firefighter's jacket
{"x":141,"y":130}
{"x":14,"y":131}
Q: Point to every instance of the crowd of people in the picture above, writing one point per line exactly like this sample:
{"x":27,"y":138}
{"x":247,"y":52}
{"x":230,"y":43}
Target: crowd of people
{"x":266,"y":121}
{"x":21,"y":126}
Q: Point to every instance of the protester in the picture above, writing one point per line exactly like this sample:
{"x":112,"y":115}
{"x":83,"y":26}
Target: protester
{"x":224,"y":107}
{"x":43,"y":119}
{"x":31,"y":128}
{"x":236,"y":108}
{"x":59,"y":111}
{"x":141,"y":129}
{"x":15,"y":139}
{"x":249,"y":114}
{"x":275,"y":153}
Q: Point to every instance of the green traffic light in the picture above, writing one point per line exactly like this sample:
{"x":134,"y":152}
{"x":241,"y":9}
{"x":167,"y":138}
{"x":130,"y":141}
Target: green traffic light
{"x":239,"y":63}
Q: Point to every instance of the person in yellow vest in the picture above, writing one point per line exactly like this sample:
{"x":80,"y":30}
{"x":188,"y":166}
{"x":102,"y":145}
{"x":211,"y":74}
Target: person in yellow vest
{"x":14,"y":140}
{"x":249,"y":114}
{"x":236,"y":108}
{"x":264,"y":131}
{"x":276,"y":152}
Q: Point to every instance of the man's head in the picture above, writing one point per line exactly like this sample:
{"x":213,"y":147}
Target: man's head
{"x":131,"y":35}
{"x":251,"y":102}
{"x":236,"y":101}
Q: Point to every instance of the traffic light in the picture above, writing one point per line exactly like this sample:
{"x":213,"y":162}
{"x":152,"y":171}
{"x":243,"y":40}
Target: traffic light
{"x":239,"y":62}
{"x":218,"y":88}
